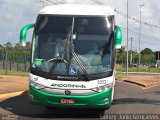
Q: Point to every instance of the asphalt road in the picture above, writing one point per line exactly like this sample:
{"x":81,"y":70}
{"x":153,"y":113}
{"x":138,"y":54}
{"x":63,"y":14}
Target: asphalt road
{"x":128,"y":99}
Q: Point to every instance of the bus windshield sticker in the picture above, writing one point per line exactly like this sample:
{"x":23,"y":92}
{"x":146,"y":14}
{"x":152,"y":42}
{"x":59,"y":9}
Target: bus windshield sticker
{"x":73,"y":71}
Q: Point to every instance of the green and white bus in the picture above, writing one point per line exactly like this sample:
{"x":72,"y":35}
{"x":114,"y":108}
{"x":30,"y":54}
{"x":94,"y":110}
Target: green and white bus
{"x":73,"y":56}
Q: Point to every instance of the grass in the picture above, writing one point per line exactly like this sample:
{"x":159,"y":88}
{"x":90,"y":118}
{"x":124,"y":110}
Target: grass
{"x":120,"y":75}
{"x":3,"y":72}
{"x":120,"y":68}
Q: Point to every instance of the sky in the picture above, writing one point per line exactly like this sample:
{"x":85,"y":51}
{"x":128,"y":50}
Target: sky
{"x":15,"y":14}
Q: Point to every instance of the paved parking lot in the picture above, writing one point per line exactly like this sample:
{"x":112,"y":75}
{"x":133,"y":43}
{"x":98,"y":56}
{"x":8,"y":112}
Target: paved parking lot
{"x":129,"y":99}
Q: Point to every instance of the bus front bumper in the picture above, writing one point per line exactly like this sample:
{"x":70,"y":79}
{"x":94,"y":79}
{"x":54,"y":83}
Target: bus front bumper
{"x":100,"y":100}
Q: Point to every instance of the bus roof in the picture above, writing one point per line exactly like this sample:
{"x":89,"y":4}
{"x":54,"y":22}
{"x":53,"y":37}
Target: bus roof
{"x":77,"y":9}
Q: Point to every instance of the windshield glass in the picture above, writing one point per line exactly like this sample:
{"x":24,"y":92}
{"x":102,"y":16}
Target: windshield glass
{"x":73,"y":45}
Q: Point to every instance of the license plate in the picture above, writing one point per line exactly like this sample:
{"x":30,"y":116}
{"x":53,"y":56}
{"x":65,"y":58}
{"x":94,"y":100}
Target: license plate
{"x":67,"y":101}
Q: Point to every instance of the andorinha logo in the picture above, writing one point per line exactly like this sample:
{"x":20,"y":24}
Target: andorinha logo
{"x":68,"y":85}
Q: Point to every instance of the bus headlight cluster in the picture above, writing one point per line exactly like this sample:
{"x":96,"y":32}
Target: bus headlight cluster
{"x":36,"y":85}
{"x":102,"y":88}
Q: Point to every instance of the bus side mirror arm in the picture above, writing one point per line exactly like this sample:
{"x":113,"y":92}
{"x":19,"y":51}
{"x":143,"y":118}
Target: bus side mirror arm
{"x":118,"y":37}
{"x":23,"y":33}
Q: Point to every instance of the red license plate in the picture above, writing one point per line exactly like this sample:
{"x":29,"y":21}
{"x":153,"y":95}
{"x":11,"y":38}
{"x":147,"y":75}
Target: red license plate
{"x":67,"y":101}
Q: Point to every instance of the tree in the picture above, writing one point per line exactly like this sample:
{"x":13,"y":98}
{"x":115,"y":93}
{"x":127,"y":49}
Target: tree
{"x":18,"y":47}
{"x":28,"y":46}
{"x":148,"y":56}
{"x":134,"y":58}
{"x":8,"y":45}
{"x":148,"y":59}
{"x":146,"y":51}
{"x":121,"y":55}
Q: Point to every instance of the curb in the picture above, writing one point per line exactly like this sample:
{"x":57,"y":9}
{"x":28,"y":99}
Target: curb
{"x":14,"y":94}
{"x":141,"y":84}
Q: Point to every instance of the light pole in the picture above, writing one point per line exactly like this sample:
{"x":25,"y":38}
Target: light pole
{"x":42,"y":2}
{"x":131,"y":56}
{"x":127,"y":40}
{"x":140,"y":36}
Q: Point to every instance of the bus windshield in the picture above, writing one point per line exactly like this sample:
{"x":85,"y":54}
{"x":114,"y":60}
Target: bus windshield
{"x":73,"y":45}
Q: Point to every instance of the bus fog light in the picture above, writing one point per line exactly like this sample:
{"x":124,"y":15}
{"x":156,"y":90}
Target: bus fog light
{"x":106,"y":100}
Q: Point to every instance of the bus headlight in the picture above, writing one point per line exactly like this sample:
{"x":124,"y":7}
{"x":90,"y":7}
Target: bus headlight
{"x":36,"y":85}
{"x":102,"y":88}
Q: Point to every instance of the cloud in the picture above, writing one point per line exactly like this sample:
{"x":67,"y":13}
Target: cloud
{"x":16,"y":13}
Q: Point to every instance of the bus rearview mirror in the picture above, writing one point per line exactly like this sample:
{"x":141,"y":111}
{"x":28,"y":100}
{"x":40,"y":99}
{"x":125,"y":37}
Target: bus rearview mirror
{"x":118,"y":37}
{"x":23,"y":33}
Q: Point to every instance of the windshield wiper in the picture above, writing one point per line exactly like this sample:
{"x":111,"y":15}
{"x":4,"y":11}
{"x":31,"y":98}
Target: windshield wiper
{"x":80,"y":64}
{"x":70,"y":39}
